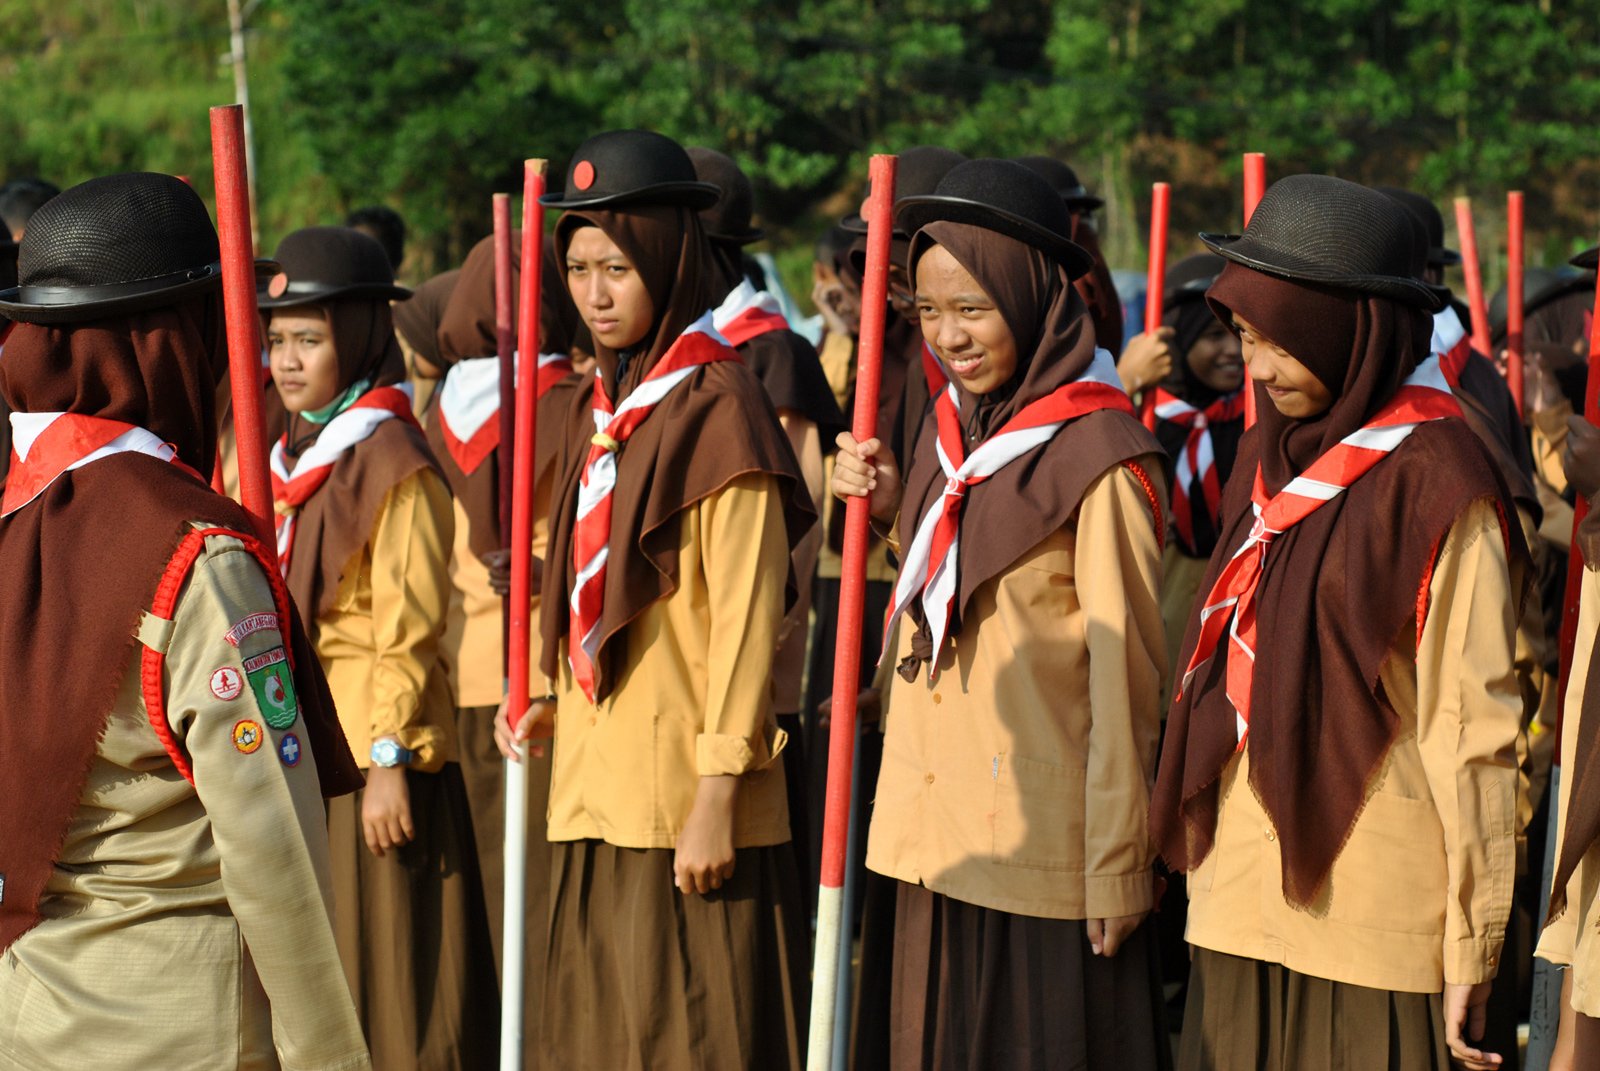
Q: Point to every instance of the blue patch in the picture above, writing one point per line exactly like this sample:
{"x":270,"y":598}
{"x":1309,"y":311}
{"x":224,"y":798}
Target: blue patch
{"x":289,"y":749}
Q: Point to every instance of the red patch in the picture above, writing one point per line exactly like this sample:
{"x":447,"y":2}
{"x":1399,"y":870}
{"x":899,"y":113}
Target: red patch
{"x":279,"y":283}
{"x":227,"y":684}
{"x":583,"y":175}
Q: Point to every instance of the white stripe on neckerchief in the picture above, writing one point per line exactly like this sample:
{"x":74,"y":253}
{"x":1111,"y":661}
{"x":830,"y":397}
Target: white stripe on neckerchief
{"x":746,"y":313}
{"x":1451,"y":343}
{"x":469,"y":402}
{"x":1196,"y":459}
{"x":928,"y":570}
{"x":700,"y":344}
{"x":291,"y":490}
{"x":47,"y":445}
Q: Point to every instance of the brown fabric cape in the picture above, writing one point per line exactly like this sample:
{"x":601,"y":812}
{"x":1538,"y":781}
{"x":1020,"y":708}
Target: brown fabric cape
{"x":714,"y":427}
{"x":1017,"y":507}
{"x":417,"y":319}
{"x":466,"y":331}
{"x":1098,"y":291}
{"x":335,"y":522}
{"x":1336,"y":591}
{"x":83,"y":560}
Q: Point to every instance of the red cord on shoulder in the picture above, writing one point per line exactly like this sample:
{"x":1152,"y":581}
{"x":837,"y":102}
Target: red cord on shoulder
{"x":1156,"y":512}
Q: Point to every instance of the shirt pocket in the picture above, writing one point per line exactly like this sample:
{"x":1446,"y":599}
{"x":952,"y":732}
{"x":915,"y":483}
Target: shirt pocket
{"x":1038,"y":815}
{"x":1395,"y":835}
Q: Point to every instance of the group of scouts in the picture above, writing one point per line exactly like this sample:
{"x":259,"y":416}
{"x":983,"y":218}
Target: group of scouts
{"x":253,"y":796}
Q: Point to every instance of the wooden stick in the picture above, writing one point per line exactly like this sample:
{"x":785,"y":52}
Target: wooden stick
{"x":1470,"y":267}
{"x":1255,"y":187}
{"x":831,"y":928}
{"x":1514,"y":298}
{"x":1155,"y":283}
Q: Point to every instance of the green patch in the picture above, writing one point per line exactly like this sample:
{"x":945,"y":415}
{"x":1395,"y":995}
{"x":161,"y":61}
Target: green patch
{"x":273,"y":686}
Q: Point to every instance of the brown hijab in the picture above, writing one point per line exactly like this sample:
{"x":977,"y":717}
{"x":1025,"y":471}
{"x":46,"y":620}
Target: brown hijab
{"x":336,"y":521}
{"x":417,"y":320}
{"x":83,"y":560}
{"x":1337,"y":589}
{"x":714,"y":427}
{"x":1038,"y":494}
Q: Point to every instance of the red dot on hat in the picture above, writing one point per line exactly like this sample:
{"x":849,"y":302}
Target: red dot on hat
{"x":279,"y":283}
{"x":583,"y":175}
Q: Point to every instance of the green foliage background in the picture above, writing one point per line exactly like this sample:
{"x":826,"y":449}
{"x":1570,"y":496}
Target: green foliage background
{"x":430,"y":105}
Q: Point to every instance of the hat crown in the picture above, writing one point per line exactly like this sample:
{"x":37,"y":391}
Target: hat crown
{"x":632,"y":165}
{"x":1011,"y":188}
{"x":731,"y":216}
{"x":1339,"y":225}
{"x":334,"y":258}
{"x":117,"y":229}
{"x":919,"y":170}
{"x":1421,"y":207}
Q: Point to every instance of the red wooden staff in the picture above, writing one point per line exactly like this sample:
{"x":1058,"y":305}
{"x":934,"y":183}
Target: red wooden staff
{"x":519,"y":624}
{"x":505,"y":347}
{"x":1575,"y":564}
{"x":852,"y":604}
{"x":242,"y":316}
{"x":1514,"y":296}
{"x":1155,"y":282}
{"x":1479,"y":311}
{"x":1255,"y":185}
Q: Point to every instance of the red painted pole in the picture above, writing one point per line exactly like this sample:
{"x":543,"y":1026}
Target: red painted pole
{"x":1575,"y":564}
{"x":242,"y":316}
{"x":1514,"y":296}
{"x":505,"y":346}
{"x":1155,"y":282}
{"x":1255,"y":186}
{"x":852,"y":604}
{"x":1474,"y":275}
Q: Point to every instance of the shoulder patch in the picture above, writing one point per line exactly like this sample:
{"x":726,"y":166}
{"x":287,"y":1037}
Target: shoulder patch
{"x":250,"y":626}
{"x":289,"y":749}
{"x":227,"y":684}
{"x":247,"y":736}
{"x":273,"y":685}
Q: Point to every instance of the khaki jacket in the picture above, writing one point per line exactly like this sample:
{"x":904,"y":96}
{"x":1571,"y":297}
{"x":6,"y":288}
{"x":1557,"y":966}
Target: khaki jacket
{"x":1420,"y":894}
{"x":188,"y":926}
{"x":1020,"y":781}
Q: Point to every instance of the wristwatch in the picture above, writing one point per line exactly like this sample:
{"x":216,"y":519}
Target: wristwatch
{"x":387,"y":753}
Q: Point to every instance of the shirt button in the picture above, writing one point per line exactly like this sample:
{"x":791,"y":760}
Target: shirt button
{"x":592,"y":719}
{"x":1271,"y":835}
{"x":929,"y":778}
{"x":937,"y":699}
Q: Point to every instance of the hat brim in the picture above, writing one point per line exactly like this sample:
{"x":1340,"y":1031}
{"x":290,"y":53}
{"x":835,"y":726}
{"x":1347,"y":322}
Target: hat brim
{"x":748,"y":237}
{"x":1443,"y":258}
{"x":66,"y":305}
{"x":1589,"y":259}
{"x":696,"y":195}
{"x":1083,"y":202}
{"x":1242,"y":249}
{"x":311,"y":293}
{"x":914,"y":213}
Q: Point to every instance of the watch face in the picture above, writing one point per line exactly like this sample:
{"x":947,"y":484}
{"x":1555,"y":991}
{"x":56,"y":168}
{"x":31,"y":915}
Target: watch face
{"x":386,"y":753}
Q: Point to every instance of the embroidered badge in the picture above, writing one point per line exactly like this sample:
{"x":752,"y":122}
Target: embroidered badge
{"x":227,"y":683}
{"x":247,"y":736}
{"x":250,"y":626}
{"x":273,"y":685}
{"x":289,"y":750}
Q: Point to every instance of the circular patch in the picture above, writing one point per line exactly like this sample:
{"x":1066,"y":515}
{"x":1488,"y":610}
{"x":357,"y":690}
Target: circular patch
{"x":279,"y":283}
{"x":227,"y":684}
{"x":289,"y":749}
{"x":583,"y":175}
{"x":247,"y":736}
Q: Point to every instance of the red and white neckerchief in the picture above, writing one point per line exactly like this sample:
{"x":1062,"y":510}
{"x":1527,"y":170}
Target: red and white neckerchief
{"x":933,"y":371}
{"x":700,"y":344}
{"x":928,"y":569}
{"x":291,"y":491}
{"x":747,"y":313}
{"x":46,"y":445}
{"x":469,"y":404}
{"x":1424,"y":396}
{"x":1197,"y":460}
{"x":1451,"y":344}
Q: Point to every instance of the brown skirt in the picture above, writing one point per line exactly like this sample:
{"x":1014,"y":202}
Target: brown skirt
{"x":1244,"y":1014}
{"x":483,"y":770}
{"x":975,"y":987}
{"x":1586,"y":1041}
{"x":641,"y":977}
{"x":412,"y":933}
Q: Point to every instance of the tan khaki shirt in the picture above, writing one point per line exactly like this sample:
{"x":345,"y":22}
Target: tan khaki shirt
{"x":188,"y":926}
{"x":1422,"y":890}
{"x":382,"y":642}
{"x":693,"y":695}
{"x":1020,"y":781}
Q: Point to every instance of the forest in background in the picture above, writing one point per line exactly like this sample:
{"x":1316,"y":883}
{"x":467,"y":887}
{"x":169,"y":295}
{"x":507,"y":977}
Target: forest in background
{"x":429,"y":106}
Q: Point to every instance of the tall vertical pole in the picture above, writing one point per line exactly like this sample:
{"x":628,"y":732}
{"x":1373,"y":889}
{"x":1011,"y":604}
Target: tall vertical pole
{"x":241,"y":97}
{"x":831,"y":926}
{"x":1155,"y":283}
{"x":513,"y":982}
{"x":505,"y":348}
{"x":1514,"y":297}
{"x":1255,"y":186}
{"x":1472,"y":269}
{"x":242,"y":316}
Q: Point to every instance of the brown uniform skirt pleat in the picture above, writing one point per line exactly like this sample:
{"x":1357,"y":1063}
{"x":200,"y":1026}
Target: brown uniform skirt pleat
{"x":1246,"y":1015}
{"x":413,"y":935}
{"x":975,"y":987}
{"x":643,"y":978}
{"x":483,"y":770}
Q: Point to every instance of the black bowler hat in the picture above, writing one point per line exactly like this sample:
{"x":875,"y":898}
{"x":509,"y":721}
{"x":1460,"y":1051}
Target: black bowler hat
{"x":8,"y":258}
{"x":115,"y":244}
{"x":1321,"y":229}
{"x":330,"y":263}
{"x":629,"y":167}
{"x":1540,"y":286}
{"x":1428,"y":212}
{"x":1064,"y":180}
{"x":1588,"y":260}
{"x":1190,"y":278}
{"x":917,"y":172}
{"x":729,"y":219}
{"x":1001,"y":196}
